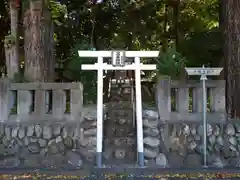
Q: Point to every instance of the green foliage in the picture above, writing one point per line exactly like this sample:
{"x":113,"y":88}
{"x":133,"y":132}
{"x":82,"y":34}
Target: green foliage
{"x":127,"y":28}
{"x":135,"y":25}
{"x":59,"y":12}
{"x":138,"y":25}
{"x":203,"y":48}
{"x":74,"y":72}
{"x":19,"y":78}
{"x":170,"y":63}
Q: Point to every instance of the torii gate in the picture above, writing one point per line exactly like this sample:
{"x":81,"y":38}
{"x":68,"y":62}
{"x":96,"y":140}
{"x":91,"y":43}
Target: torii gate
{"x":117,"y":58}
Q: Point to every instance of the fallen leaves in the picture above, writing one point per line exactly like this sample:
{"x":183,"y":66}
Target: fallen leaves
{"x":204,"y":176}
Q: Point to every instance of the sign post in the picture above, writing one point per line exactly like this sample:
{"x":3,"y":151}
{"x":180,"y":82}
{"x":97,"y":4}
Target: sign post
{"x":204,"y":72}
{"x":118,"y":65}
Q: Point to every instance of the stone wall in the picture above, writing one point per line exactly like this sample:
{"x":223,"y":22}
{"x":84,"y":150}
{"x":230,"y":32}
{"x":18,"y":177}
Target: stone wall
{"x":186,"y":141}
{"x":180,"y":144}
{"x":73,"y":144}
{"x":49,"y":144}
{"x":153,"y":139}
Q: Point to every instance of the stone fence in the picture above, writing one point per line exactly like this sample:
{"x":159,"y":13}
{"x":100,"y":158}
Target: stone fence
{"x":182,"y":101}
{"x":46,"y":131}
{"x":40,"y":101}
{"x":45,"y":125}
{"x":173,"y":132}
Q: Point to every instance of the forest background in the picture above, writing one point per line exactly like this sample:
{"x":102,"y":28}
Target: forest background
{"x":39,"y":39}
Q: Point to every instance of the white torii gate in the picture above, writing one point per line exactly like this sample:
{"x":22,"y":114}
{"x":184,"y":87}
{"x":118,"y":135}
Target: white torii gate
{"x":137,"y":66}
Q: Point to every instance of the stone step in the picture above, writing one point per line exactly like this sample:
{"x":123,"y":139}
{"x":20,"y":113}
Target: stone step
{"x":116,"y":127}
{"x":116,"y":135}
{"x":110,"y":103}
{"x":121,"y":92}
{"x":120,"y":154}
{"x":116,"y":131}
{"x":120,"y":98}
{"x":120,"y":117}
{"x":123,"y":81}
{"x":121,"y":141}
{"x":119,"y":121}
{"x":114,"y":86}
{"x":125,"y":146}
{"x":121,"y":102}
{"x":119,"y":133}
{"x":120,"y":108}
{"x":122,"y":122}
{"x":122,"y":86}
{"x":116,"y":106}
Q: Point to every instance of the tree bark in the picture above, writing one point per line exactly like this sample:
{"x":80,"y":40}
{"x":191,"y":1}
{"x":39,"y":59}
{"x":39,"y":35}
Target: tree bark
{"x":165,"y":24}
{"x":231,"y":48}
{"x":176,"y":11}
{"x":221,"y":27}
{"x":12,"y":44}
{"x":39,"y":43}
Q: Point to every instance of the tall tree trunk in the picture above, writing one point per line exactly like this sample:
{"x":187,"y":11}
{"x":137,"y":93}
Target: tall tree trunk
{"x":221,"y":27}
{"x":39,"y":43}
{"x":231,"y":28}
{"x":12,"y":42}
{"x":176,"y":11}
{"x":165,"y":24}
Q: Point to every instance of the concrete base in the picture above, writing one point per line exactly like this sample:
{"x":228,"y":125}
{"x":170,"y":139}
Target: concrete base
{"x":141,"y":159}
{"x":99,"y":159}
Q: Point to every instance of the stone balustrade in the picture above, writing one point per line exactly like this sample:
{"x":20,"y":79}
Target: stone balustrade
{"x":182,"y":101}
{"x":40,"y":101}
{"x":56,"y":138}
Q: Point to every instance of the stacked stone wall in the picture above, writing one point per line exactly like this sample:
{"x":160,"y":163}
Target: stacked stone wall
{"x":73,"y":144}
{"x":49,"y":144}
{"x":180,"y":144}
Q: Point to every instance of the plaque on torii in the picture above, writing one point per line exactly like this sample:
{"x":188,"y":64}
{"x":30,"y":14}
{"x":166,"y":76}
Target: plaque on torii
{"x":118,"y":59}
{"x":119,"y":63}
